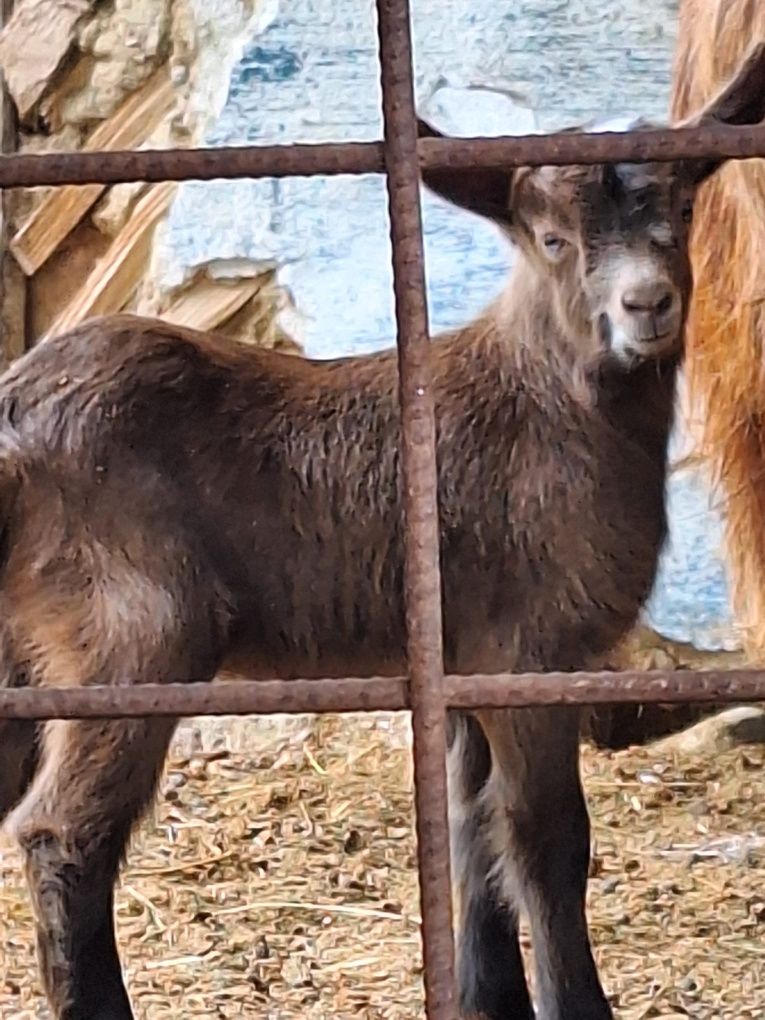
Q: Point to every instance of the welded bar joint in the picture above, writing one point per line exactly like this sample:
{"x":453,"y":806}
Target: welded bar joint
{"x":381,"y":694}
{"x":422,"y":583}
{"x":305,"y":160}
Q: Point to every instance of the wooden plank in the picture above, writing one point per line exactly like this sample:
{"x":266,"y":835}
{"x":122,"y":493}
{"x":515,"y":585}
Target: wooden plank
{"x":115,"y":277}
{"x":209,"y":303}
{"x":63,"y":208}
{"x":12,"y":281}
{"x":54,"y":285}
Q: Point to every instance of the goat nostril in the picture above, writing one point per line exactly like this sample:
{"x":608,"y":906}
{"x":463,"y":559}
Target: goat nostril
{"x":636,"y":302}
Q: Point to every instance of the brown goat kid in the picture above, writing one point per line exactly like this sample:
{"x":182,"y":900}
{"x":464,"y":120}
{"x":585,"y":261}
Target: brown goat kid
{"x":173,"y":505}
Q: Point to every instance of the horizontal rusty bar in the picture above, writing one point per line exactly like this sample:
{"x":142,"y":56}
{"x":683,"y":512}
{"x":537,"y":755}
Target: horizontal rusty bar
{"x":381,"y":694}
{"x":238,"y":697}
{"x":301,"y":160}
{"x":630,"y":687}
{"x":660,"y":145}
{"x":38,"y":169}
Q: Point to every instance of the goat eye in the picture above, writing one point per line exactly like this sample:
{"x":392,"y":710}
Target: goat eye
{"x":687,"y":211}
{"x":554,"y":245}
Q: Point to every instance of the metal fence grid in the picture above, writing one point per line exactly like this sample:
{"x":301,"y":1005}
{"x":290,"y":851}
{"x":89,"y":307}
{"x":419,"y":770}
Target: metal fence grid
{"x":427,"y":693}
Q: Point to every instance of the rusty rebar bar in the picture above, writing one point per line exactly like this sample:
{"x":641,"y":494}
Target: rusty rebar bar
{"x":662,"y":145}
{"x":381,"y":694}
{"x":203,"y":164}
{"x":305,"y":160}
{"x":422,"y":581}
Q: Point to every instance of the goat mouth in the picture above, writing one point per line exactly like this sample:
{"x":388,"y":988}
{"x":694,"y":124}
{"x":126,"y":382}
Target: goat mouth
{"x":652,"y":345}
{"x":656,"y":348}
{"x":656,"y":338}
{"x":628,"y":348}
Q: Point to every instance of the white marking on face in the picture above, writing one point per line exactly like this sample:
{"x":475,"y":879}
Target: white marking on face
{"x":619,"y":342}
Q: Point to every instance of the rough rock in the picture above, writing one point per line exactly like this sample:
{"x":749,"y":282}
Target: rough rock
{"x":121,"y":46}
{"x":34,"y":44}
{"x":209,"y":37}
{"x":116,"y":207}
{"x":113,"y":211}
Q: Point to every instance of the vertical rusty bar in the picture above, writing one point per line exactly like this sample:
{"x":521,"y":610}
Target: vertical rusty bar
{"x":422,"y":579}
{"x":13,"y":284}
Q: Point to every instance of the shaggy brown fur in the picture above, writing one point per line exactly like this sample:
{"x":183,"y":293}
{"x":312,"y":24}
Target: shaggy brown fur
{"x":726,"y":323}
{"x":173,"y":505}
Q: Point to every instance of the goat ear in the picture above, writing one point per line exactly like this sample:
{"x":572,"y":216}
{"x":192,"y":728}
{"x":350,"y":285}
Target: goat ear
{"x":485,"y":192}
{"x":741,"y":102}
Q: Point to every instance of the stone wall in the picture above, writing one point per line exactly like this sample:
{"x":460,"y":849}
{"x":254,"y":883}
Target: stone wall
{"x":119,"y":74}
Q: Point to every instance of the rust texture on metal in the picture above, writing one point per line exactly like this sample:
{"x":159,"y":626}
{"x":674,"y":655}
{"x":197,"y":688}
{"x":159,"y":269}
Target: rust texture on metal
{"x":36,"y":169}
{"x":632,"y":687}
{"x":657,"y":144}
{"x":229,"y":697}
{"x":422,"y":582}
{"x":380,"y":694}
{"x":39,"y":169}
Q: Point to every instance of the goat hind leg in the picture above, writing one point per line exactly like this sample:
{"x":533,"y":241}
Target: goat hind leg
{"x":541,"y":816}
{"x":491,"y":974}
{"x":492,"y":983}
{"x":95,"y":781}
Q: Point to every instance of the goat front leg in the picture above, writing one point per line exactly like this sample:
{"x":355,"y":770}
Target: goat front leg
{"x":492,"y":983}
{"x":541,"y":827}
{"x":94,"y":782}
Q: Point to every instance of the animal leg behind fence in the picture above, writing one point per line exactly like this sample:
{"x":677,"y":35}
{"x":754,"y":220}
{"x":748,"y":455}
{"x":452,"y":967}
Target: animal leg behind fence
{"x":492,"y":983}
{"x":95,"y":781}
{"x":541,"y":830}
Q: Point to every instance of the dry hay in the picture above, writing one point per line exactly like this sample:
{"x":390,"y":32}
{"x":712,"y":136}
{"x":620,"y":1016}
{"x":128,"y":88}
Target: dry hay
{"x":282,"y":884}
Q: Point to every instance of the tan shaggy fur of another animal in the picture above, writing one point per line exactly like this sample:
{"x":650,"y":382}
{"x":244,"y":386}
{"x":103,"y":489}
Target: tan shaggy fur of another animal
{"x":724,"y":353}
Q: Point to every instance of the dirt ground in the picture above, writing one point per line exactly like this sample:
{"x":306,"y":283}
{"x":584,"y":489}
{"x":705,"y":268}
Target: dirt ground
{"x":280,"y":883}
